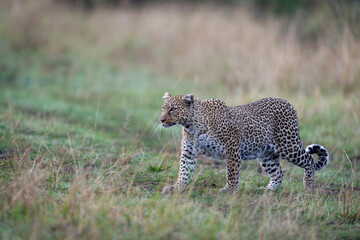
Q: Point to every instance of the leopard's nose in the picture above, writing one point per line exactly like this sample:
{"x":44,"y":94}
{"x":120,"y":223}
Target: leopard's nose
{"x":162,"y":120}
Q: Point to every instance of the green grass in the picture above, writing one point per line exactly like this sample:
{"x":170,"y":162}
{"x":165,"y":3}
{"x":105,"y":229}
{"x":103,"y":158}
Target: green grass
{"x":80,"y":157}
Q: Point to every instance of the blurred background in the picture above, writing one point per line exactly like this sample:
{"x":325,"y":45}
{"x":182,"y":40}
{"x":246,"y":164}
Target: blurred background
{"x":122,"y":55}
{"x":81,"y":84}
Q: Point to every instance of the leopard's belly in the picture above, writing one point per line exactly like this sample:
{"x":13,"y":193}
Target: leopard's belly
{"x":210,"y":147}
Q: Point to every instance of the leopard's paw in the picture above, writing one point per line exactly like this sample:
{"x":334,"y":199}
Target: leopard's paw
{"x":226,"y":190}
{"x":168,"y":190}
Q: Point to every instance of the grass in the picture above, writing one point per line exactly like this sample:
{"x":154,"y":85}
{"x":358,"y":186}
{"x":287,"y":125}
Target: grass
{"x":79,"y":100}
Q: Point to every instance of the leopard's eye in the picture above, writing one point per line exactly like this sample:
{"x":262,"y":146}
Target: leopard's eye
{"x":172,"y":109}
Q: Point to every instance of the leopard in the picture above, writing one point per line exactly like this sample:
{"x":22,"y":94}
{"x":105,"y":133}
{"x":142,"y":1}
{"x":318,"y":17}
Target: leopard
{"x":267,"y":130}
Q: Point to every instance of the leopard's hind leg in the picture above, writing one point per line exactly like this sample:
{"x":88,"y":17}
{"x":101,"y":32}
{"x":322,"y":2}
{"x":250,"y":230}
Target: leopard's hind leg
{"x":298,"y":156}
{"x":291,"y":149}
{"x":271,"y":165}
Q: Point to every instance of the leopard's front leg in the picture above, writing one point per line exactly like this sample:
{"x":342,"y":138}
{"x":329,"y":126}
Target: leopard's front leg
{"x":233,"y":166}
{"x":188,"y":162}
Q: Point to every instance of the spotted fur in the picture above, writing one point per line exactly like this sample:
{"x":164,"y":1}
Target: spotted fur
{"x":267,"y":129}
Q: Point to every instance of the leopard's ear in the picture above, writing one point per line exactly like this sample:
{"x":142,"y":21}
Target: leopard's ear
{"x":166,"y":96}
{"x":189,"y":99}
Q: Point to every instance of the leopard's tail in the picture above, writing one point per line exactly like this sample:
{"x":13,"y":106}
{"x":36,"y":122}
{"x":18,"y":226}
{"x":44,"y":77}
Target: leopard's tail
{"x":321,"y":152}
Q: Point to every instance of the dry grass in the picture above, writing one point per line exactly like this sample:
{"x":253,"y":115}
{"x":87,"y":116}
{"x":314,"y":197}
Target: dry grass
{"x":98,"y":204}
{"x":230,"y":47}
{"x":212,"y":46}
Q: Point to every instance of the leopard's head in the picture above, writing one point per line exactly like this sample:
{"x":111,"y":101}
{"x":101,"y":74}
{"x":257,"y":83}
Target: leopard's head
{"x":176,"y":110}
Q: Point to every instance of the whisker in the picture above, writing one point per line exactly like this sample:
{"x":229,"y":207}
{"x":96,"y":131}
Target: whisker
{"x":157,"y":128}
{"x":179,"y":131}
{"x":172,"y":131}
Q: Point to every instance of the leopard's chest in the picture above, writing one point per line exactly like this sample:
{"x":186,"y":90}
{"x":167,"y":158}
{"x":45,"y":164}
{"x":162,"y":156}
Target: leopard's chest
{"x":210,"y":147}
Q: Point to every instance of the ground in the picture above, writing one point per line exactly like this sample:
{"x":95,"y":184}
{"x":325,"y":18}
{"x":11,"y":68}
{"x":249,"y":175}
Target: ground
{"x":81,"y":154}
